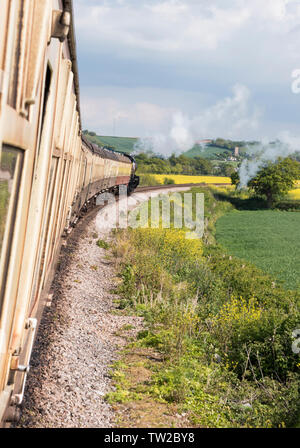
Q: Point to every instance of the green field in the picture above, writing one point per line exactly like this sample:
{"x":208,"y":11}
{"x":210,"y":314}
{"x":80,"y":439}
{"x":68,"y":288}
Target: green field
{"x":220,"y":327}
{"x":126,"y":144}
{"x":268,"y":239}
{"x":207,"y":152}
{"x":123,"y":144}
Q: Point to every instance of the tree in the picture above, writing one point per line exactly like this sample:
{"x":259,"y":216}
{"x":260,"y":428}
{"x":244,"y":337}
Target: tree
{"x":235,"y":179}
{"x":275,"y":179}
{"x":202,"y":166}
{"x":228,"y":170}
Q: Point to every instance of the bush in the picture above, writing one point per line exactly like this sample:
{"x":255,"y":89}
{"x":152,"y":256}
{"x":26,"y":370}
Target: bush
{"x":147,"y":180}
{"x":169,"y":181}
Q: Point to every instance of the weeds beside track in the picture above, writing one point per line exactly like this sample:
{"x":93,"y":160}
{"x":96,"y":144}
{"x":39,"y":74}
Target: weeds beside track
{"x":220,"y":329}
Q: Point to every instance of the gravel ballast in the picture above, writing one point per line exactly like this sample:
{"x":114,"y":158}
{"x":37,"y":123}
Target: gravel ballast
{"x":78,"y":337}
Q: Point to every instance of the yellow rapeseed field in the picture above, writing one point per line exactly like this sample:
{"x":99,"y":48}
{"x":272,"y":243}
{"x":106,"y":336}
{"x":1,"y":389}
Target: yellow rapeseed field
{"x":180,"y":179}
{"x":295,"y":194}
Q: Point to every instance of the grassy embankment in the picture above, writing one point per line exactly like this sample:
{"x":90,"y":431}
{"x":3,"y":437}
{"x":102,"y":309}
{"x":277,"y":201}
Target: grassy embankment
{"x":215,"y":350}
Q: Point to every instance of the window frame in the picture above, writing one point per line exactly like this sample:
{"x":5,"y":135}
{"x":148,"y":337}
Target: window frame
{"x":5,"y":251}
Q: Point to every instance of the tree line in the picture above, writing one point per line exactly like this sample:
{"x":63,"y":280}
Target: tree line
{"x":181,"y":164}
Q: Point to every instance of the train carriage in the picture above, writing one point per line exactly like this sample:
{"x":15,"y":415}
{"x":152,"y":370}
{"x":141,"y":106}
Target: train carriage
{"x":48,"y":173}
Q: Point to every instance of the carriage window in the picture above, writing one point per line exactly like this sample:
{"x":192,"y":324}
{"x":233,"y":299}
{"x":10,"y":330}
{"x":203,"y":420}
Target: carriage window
{"x":50,"y":198}
{"x":7,"y":170}
{"x":10,"y":169}
{"x":16,"y":73}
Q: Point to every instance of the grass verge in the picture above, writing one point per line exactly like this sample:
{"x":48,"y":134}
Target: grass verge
{"x":220,"y":328}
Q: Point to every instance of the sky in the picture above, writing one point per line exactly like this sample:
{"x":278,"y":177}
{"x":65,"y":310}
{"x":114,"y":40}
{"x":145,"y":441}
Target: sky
{"x":184,"y":70}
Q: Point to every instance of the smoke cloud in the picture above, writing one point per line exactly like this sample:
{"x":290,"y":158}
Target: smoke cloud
{"x":261,"y":154}
{"x":231,"y":118}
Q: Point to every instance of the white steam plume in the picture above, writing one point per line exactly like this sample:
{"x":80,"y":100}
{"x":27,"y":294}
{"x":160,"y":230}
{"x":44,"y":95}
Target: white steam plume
{"x":264,"y":152}
{"x":229,"y":118}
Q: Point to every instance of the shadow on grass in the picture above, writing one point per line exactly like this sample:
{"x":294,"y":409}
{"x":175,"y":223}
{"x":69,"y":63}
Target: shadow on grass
{"x":257,"y":203}
{"x":252,"y":203}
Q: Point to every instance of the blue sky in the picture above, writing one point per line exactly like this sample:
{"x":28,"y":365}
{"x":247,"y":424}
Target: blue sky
{"x":189,"y":69}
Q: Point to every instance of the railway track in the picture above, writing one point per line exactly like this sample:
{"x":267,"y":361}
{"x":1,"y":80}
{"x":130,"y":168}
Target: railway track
{"x":78,"y":328}
{"x":81,"y":302}
{"x":51,"y":174}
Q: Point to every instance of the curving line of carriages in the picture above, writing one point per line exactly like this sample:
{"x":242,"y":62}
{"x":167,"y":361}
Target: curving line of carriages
{"x":49,"y":173}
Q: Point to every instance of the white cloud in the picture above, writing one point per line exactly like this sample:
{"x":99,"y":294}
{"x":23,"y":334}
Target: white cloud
{"x":177,"y":25}
{"x":213,"y":44}
{"x":173,"y":130}
{"x":231,"y":117}
{"x":108,"y":115}
{"x":162,"y":26}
